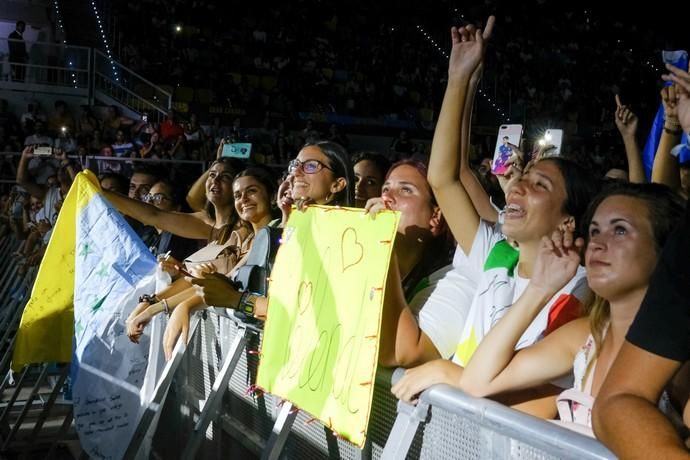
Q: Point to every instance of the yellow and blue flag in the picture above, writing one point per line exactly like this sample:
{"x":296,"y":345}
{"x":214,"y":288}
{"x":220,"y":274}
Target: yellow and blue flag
{"x":92,"y":274}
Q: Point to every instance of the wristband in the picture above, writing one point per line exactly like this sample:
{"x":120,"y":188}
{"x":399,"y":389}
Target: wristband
{"x":166,"y":309}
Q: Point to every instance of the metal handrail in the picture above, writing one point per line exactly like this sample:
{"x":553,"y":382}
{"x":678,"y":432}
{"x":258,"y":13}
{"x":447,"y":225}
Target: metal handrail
{"x":158,"y":88}
{"x":51,"y":44}
{"x":123,"y":88}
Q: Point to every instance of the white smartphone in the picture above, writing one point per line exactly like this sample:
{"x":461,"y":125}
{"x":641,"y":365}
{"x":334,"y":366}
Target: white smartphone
{"x":507,"y":134}
{"x":553,"y":137}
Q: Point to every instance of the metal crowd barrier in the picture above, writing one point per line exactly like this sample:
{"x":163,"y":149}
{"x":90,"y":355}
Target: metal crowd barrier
{"x":445,"y":424}
{"x":33,"y":413}
{"x":210,"y":411}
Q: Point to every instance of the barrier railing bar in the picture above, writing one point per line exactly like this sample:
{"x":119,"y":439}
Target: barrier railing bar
{"x":559,"y":441}
{"x":57,"y":389}
{"x":281,"y":431}
{"x":27,"y":405}
{"x":13,"y":398}
{"x":61,"y":434}
{"x":155,"y":405}
{"x":215,"y":398}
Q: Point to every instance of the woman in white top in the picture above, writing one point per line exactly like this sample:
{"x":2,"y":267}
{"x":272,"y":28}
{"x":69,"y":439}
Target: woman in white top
{"x":627,"y":226}
{"x":552,"y":194}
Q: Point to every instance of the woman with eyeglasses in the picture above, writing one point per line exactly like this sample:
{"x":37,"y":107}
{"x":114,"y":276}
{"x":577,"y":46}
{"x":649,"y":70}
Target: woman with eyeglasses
{"x":162,"y":195}
{"x":251,"y":190}
{"x":321,"y":174}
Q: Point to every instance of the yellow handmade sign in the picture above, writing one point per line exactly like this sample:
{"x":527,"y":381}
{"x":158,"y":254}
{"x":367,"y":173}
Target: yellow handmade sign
{"x":321,"y":337}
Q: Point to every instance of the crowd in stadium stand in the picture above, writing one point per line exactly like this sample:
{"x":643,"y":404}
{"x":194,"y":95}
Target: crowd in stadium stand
{"x":462,"y":226}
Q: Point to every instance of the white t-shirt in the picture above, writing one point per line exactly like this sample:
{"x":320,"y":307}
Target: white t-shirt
{"x":445,"y":304}
{"x":48,"y":211}
{"x":493,"y":262}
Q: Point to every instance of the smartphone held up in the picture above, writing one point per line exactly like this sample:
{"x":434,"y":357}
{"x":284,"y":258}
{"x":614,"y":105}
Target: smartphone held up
{"x":508,"y":136}
{"x":552,"y":142}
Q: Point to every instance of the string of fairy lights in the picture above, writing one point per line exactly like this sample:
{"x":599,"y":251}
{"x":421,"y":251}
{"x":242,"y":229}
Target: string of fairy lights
{"x":499,"y":110}
{"x":70,"y":63}
{"x":104,"y":39}
{"x":647,"y":61}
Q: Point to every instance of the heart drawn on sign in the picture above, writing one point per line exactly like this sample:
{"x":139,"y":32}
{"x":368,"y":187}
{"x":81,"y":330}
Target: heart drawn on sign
{"x":304,"y":296}
{"x":351,"y":250}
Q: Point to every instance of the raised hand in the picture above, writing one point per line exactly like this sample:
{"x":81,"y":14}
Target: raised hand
{"x":681,"y":80}
{"x":375,"y":206}
{"x":626,"y":120}
{"x":468,"y":48}
{"x":557,"y":260}
{"x":669,"y":99}
{"x":28,"y":152}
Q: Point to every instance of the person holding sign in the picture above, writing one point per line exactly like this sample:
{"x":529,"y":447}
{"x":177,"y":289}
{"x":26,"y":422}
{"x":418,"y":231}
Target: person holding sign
{"x":552,"y":194}
{"x":422,"y":245}
{"x":416,"y":324}
{"x":321,"y":174}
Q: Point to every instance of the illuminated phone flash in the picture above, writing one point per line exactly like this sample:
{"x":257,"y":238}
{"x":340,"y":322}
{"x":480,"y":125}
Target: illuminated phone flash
{"x":542,"y":142}
{"x":63,"y":129}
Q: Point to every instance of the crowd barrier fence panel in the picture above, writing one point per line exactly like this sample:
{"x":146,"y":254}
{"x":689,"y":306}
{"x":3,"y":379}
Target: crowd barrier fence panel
{"x":200,"y":419}
{"x":449,"y":423}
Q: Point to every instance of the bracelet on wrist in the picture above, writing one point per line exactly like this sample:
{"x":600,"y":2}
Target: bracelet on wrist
{"x":166,"y":309}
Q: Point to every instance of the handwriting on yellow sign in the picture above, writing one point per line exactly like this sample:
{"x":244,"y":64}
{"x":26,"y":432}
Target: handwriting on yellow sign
{"x":321,"y":337}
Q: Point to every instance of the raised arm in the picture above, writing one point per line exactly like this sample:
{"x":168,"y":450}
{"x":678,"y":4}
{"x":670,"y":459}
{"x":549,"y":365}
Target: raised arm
{"x":196,"y":197}
{"x":479,"y":197}
{"x":468,"y":48}
{"x":23,"y":177}
{"x":626,"y":122}
{"x":195,"y":225}
{"x":665,"y":169}
{"x":494,"y":366}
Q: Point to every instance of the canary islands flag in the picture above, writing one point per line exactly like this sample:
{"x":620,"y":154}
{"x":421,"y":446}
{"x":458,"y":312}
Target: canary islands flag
{"x":94,"y":269}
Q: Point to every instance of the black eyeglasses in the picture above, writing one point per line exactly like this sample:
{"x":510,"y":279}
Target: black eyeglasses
{"x":308,"y":167}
